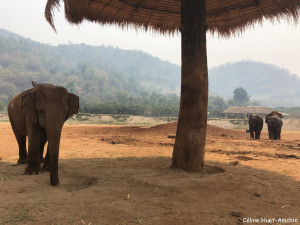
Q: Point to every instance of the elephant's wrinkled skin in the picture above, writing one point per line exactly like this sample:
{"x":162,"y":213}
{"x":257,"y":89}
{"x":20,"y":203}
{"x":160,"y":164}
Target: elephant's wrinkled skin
{"x":40,"y":113}
{"x":274,"y":122}
{"x":256,"y":124}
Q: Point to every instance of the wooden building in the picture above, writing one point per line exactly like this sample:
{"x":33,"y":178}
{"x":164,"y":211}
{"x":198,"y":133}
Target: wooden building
{"x":245,"y":111}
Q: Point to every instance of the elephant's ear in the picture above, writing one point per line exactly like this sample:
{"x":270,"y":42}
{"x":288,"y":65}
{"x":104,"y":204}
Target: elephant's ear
{"x":73,"y":105}
{"x":28,"y":105}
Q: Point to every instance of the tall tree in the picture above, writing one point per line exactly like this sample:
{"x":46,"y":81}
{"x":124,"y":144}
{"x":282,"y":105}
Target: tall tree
{"x":240,"y":96}
{"x":189,"y":149}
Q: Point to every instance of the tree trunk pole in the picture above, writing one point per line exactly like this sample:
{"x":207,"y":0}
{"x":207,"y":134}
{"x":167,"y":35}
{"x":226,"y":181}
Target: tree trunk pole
{"x":189,"y":149}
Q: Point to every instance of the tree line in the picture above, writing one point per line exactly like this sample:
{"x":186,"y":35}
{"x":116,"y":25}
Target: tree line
{"x":145,"y":104}
{"x":217,"y":104}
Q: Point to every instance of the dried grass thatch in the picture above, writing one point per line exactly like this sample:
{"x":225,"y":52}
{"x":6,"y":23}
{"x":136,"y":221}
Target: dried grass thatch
{"x":255,"y":110}
{"x":225,"y":17}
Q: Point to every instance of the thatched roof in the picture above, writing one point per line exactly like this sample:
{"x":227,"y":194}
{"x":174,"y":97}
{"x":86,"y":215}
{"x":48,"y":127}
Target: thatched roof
{"x":223,"y":16}
{"x":247,"y":110}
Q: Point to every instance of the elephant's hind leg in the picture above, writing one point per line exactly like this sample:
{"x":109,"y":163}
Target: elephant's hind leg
{"x":34,"y":139}
{"x":257,"y":135}
{"x":22,"y":149}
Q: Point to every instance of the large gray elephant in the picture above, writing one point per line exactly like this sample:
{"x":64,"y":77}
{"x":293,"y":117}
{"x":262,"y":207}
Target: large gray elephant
{"x":40,"y":113}
{"x":274,"y":121}
{"x":256,"y":124}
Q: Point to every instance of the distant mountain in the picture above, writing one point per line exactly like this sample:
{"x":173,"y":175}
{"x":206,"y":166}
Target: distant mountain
{"x":7,"y":34}
{"x":150,"y":72}
{"x":98,"y":73}
{"x":272,"y":85}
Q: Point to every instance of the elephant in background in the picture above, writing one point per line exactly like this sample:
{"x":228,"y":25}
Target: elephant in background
{"x":256,"y":124}
{"x":275,"y":113}
{"x":40,"y":113}
{"x":274,"y":121}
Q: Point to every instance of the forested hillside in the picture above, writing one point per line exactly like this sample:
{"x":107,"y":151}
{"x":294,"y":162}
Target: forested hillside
{"x":108,"y":80}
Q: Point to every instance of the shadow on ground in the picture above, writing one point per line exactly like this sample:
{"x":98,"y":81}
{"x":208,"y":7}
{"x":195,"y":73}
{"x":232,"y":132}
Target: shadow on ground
{"x":145,"y":191}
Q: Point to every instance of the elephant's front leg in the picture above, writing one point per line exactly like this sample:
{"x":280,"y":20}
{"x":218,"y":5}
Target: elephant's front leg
{"x":34,"y":138}
{"x":251,"y":134}
{"x":21,"y":139}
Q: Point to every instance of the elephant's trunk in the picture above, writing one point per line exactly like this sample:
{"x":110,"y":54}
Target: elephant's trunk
{"x":247,"y":131}
{"x":53,"y":143}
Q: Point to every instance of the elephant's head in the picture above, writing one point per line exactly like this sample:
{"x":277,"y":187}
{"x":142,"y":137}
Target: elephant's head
{"x":273,"y":113}
{"x":48,"y":106}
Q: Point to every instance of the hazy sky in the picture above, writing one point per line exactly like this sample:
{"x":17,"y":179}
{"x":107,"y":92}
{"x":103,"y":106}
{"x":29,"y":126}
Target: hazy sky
{"x":277,"y":44}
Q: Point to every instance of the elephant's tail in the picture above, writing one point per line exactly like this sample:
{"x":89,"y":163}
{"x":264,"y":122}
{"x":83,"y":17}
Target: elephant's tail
{"x":247,"y":131}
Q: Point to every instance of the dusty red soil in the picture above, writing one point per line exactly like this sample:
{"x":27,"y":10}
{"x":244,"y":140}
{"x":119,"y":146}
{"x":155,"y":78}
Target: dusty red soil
{"x":121,"y":175}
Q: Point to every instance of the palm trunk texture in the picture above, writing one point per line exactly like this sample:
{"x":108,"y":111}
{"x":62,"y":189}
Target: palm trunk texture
{"x":189,"y":149}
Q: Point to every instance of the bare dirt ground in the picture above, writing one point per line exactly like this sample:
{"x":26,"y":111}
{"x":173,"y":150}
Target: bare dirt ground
{"x":113,"y":174}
